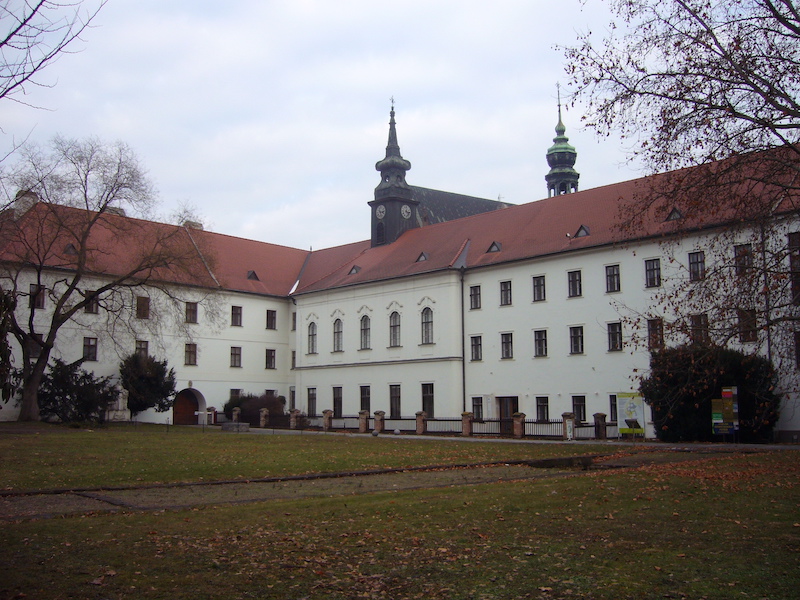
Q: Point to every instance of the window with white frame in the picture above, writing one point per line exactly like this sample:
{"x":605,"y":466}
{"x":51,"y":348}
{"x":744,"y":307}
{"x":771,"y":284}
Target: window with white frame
{"x":697,"y":266}
{"x":338,"y":333}
{"x":613,"y":282}
{"x":476,"y":348}
{"x":271,"y":362}
{"x":574,"y":284}
{"x":506,"y":345}
{"x":365,"y":333}
{"x":312,"y":338}
{"x":474,"y":297}
{"x":427,"y":326}
{"x":615,"y":337}
{"x":539,"y":290}
{"x":505,"y":293}
{"x":652,"y":272}
{"x":576,"y":340}
{"x":540,"y":342}
{"x":394,"y":330}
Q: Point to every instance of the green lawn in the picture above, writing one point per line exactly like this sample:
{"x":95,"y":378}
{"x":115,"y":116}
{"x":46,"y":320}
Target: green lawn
{"x":728,"y":527}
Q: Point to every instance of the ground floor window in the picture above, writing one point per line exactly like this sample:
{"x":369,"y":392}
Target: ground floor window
{"x":394,"y":401}
{"x":337,"y":402}
{"x":365,"y":398}
{"x":477,"y":407}
{"x":612,"y":408}
{"x":312,"y":402}
{"x":579,"y":408}
{"x":542,"y":408}
{"x":427,"y":399}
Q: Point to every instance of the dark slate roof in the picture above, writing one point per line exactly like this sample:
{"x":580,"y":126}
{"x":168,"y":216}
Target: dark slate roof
{"x":436,"y":206}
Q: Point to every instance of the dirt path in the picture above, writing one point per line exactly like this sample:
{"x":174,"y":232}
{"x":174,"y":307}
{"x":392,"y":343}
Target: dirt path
{"x":55,"y":503}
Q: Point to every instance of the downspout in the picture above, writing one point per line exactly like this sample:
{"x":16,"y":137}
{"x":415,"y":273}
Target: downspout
{"x":767,"y":299}
{"x":463,"y":347}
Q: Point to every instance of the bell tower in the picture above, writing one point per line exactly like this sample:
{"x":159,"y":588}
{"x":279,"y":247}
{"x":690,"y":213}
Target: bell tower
{"x":561,"y":156}
{"x":394,"y":209}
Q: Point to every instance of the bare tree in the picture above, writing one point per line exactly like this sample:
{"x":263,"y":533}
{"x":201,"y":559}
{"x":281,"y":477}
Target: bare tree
{"x":70,"y":253}
{"x":708,"y":92}
{"x":34,"y":35}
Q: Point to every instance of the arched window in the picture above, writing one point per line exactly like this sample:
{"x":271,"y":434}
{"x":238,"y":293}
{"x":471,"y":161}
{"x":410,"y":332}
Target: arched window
{"x":365,"y":326}
{"x":337,"y":335}
{"x":394,"y":329}
{"x":312,"y":338}
{"x":427,"y":326}
{"x":380,"y":233}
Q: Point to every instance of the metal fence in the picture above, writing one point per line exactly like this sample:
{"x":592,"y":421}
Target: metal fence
{"x":552,"y":429}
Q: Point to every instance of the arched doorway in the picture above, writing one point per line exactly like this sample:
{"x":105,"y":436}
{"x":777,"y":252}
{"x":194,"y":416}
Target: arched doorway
{"x":189,"y":407}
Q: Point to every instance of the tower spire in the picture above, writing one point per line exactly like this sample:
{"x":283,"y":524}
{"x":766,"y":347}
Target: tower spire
{"x":561,"y":156}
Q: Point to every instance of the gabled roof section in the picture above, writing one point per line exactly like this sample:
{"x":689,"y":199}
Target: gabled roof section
{"x":436,"y":206}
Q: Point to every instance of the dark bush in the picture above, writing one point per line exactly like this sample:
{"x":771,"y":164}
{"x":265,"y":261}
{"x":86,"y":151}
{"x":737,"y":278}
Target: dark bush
{"x":70,"y":394}
{"x":149,"y":383}
{"x":684,"y":380}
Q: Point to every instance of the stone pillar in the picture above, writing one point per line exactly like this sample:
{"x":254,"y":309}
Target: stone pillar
{"x":263,"y":417}
{"x":519,"y":425}
{"x":379,"y":415}
{"x":422,"y":422}
{"x":363,"y":421}
{"x":294,"y":416}
{"x":466,"y":424}
{"x":568,"y":430}
{"x":599,"y":426}
{"x":327,"y":420}
{"x":236,"y":413}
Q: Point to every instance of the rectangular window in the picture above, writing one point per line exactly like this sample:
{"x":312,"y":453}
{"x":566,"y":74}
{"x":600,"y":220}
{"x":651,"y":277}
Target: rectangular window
{"x":576,"y":340}
{"x":477,"y":408}
{"x":142,"y":348}
{"x":294,"y":321}
{"x":294,"y":359}
{"x":614,"y":337}
{"x":36,"y":296}
{"x":794,"y":266}
{"x":505,"y":293}
{"x":506,"y":345}
{"x":540,"y":342}
{"x":542,"y":409}
{"x":271,"y":359}
{"x":698,"y":328}
{"x":292,"y":398}
{"x":93,"y":306}
{"x":579,"y":408}
{"x":474,"y":297}
{"x":655,"y":334}
{"x":574,"y":286}
{"x":612,"y":279}
{"x":235,"y":394}
{"x":394,"y":401}
{"x":652,"y":272}
{"x":312,"y":402}
{"x":743,"y":259}
{"x":337,"y":402}
{"x":365,"y":398}
{"x":697,"y":266}
{"x":236,"y":316}
{"x":191,"y":312}
{"x":612,"y":408}
{"x":747,"y":325}
{"x":190,"y":354}
{"x":236,"y":356}
{"x":539,"y":291}
{"x":142,"y":307}
{"x":476,"y":347}
{"x":90,"y":348}
{"x":272,"y":319}
{"x":427,"y":399}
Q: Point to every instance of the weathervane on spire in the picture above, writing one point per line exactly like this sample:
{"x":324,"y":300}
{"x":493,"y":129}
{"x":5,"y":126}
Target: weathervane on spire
{"x":558,"y":92}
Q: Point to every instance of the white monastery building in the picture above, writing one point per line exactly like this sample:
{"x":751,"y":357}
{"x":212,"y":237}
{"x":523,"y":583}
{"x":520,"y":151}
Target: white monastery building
{"x":454,"y":304}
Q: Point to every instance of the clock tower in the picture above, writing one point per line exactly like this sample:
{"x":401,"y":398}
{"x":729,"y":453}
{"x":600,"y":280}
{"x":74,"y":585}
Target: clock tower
{"x":394,"y":209}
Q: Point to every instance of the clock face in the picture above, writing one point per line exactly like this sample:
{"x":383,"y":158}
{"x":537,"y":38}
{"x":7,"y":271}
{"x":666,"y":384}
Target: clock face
{"x":405,"y":211}
{"x":380,"y":212}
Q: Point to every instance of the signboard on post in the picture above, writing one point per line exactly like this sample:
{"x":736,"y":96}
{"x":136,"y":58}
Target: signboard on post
{"x":630,"y":413}
{"x":725,"y":412}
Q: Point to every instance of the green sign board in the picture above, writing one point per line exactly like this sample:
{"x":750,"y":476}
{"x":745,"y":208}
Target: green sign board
{"x":725,"y":412}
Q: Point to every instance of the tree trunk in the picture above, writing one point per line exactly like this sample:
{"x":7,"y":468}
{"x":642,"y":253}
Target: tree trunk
{"x":29,"y":406}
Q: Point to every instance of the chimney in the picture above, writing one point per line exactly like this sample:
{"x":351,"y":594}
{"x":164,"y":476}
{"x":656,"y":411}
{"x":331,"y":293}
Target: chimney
{"x":23,"y":202}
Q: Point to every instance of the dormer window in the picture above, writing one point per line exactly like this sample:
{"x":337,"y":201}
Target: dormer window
{"x":495,"y":247}
{"x":674,"y":215}
{"x":354,"y":270}
{"x":583,"y":231}
{"x":252,"y":276}
{"x":70,"y":250}
{"x":422,"y":257}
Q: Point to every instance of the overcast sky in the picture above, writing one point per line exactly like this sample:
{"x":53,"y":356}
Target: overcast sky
{"x":269,"y":116}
